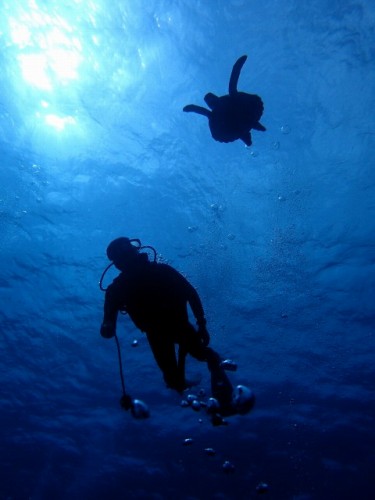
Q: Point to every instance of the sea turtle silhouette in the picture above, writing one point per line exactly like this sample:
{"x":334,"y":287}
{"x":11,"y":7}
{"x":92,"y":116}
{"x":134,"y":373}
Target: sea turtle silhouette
{"x":232,"y":116}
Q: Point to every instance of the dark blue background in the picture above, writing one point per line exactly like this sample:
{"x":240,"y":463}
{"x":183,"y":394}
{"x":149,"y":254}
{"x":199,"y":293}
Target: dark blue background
{"x":278,"y":238}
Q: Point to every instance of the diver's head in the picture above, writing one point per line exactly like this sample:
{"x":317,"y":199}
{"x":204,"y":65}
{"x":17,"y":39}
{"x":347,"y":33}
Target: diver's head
{"x":124,"y":252}
{"x":243,"y":399}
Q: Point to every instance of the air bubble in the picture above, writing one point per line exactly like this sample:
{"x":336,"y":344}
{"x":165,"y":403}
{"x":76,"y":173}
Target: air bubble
{"x":229,"y":364}
{"x":212,"y":405}
{"x":262,"y":488}
{"x":210,"y":452}
{"x":228,"y":467}
{"x":139,"y":409}
{"x":196,"y":405}
{"x":217,"y":208}
{"x":285,"y":129}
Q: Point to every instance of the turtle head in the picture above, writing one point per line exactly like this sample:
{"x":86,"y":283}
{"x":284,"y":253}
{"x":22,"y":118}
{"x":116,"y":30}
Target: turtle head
{"x":211,"y":100}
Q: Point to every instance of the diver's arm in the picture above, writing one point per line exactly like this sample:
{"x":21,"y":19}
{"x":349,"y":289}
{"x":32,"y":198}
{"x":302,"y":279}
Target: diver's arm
{"x":197,"y":308}
{"x":195,"y":304}
{"x":108,"y":327}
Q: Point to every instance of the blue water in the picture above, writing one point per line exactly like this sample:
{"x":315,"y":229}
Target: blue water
{"x":278,"y":239}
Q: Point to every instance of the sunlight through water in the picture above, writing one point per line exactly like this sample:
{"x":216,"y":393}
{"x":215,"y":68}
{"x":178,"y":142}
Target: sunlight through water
{"x":49,"y":55}
{"x":64,"y":57}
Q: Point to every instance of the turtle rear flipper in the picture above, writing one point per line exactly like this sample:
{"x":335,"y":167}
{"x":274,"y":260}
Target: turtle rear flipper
{"x":246,"y":138}
{"x":259,"y":126}
{"x":236,"y":74}
{"x":192,"y":108}
{"x":211,"y":100}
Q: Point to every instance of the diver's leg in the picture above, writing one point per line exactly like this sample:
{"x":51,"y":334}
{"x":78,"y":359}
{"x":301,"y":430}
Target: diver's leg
{"x":164,"y":353}
{"x":221,"y":386}
{"x":181,"y":364}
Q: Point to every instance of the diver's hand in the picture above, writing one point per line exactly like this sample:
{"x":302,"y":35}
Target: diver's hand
{"x":204,"y":335}
{"x":108,"y":330}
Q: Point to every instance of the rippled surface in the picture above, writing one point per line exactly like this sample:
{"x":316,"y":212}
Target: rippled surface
{"x":277,"y":238}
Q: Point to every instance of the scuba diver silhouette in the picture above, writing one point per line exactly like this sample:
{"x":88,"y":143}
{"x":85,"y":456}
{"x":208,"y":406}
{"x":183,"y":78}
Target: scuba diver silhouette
{"x":155,"y":296}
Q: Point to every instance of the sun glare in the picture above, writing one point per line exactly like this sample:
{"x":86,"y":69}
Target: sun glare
{"x":50,"y":52}
{"x":59,"y":122}
{"x":49,"y":55}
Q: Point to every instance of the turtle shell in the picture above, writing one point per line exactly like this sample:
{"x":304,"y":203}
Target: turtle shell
{"x":234,"y":115}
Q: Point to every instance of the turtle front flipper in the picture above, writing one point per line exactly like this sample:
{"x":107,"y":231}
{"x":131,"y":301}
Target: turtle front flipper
{"x":192,"y":108}
{"x":246,"y":138}
{"x":259,"y":126}
{"x":236,"y":74}
{"x":211,"y":100}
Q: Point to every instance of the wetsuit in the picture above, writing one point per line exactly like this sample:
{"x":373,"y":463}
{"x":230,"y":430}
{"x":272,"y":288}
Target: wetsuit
{"x":156,"y":296}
